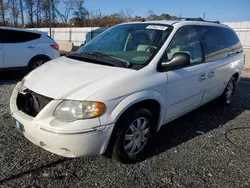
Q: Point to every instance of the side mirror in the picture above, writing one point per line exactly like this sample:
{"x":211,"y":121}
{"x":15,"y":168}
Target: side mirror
{"x":179,"y":59}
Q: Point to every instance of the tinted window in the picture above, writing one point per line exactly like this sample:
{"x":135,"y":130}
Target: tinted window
{"x":214,"y":42}
{"x":11,"y":36}
{"x":232,"y":40}
{"x":186,"y":40}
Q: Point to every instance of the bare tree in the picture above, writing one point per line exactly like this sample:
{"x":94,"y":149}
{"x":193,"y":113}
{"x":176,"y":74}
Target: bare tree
{"x":3,"y":10}
{"x":68,"y":7}
{"x":38,"y":11}
{"x":14,"y":11}
{"x":150,"y":14}
{"x":95,"y":17}
{"x":46,"y":8}
{"x":29,"y":5}
{"x":54,"y":5}
{"x":127,"y":14}
{"x":80,"y":11}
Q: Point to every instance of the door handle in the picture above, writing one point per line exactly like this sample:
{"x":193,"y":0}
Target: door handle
{"x":202,"y":77}
{"x":211,"y":74}
{"x":31,"y":46}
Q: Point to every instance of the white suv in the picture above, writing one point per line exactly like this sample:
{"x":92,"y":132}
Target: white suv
{"x":124,"y":85}
{"x":21,"y":48}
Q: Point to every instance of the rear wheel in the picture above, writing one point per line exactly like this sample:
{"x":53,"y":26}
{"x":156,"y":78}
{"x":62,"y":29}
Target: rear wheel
{"x":37,"y":62}
{"x":228,"y":94}
{"x":134,"y":133}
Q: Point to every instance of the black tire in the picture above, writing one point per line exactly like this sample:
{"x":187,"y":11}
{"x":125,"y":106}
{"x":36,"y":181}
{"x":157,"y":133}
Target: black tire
{"x":226,"y":98}
{"x":127,"y":156}
{"x":37,"y":62}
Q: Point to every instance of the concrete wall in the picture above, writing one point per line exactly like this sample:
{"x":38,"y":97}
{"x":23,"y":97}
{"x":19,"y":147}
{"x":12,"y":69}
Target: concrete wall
{"x":247,"y":58}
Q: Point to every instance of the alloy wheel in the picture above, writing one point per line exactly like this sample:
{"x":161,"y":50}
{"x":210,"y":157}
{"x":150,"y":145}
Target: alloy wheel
{"x":136,"y":136}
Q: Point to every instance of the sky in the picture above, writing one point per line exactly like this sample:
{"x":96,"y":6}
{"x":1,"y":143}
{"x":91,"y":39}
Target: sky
{"x":221,"y":10}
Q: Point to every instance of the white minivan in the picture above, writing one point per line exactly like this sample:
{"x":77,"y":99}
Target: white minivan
{"x":25,"y":49}
{"x":116,"y":91}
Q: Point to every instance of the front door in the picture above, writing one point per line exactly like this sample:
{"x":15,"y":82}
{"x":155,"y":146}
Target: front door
{"x":185,"y":85}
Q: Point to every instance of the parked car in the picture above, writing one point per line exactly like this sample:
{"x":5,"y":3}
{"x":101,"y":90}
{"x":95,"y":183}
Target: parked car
{"x":116,"y":91}
{"x":21,"y":48}
{"x":92,"y":34}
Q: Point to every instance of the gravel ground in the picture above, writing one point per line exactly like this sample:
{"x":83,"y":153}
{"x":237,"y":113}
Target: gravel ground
{"x":180,"y":156}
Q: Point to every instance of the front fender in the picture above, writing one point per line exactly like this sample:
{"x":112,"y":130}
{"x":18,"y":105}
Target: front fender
{"x":139,"y":97}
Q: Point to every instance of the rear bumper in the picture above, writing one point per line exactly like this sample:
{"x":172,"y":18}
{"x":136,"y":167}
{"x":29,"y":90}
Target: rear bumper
{"x":47,"y":133}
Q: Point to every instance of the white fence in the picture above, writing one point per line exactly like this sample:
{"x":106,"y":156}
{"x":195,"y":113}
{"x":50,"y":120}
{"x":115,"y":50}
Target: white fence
{"x":78,"y":35}
{"x":74,"y":35}
{"x":243,"y":31}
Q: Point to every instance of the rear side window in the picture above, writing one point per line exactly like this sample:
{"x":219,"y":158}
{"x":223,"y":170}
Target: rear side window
{"x":232,"y":40}
{"x":12,"y":36}
{"x":214,"y":42}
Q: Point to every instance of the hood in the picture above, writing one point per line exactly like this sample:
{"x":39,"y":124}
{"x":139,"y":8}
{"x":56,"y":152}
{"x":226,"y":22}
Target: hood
{"x":62,"y":78}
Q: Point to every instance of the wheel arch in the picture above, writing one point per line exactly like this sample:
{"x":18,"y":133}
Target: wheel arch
{"x":146,"y":99}
{"x":39,"y":56}
{"x":236,"y":76}
{"x":151,"y":99}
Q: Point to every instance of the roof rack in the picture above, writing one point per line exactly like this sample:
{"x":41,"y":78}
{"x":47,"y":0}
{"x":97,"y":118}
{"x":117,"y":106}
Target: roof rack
{"x":197,"y":19}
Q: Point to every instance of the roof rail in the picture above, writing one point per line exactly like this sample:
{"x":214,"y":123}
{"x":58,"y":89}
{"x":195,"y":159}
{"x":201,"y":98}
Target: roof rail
{"x":197,"y":19}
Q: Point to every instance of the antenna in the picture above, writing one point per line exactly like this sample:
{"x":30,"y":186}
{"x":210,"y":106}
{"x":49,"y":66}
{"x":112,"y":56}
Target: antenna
{"x":204,"y":15}
{"x":181,"y":13}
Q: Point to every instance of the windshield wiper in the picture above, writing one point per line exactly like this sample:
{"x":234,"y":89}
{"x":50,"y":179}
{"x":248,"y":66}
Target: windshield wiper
{"x":87,"y":58}
{"x":124,"y":62}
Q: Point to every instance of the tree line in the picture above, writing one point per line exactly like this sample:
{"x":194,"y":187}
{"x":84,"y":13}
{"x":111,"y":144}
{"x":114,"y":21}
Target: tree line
{"x":72,"y":13}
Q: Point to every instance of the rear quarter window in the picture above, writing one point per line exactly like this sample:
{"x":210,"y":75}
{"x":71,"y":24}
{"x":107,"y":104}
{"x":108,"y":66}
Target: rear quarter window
{"x":12,"y":36}
{"x":232,"y":40}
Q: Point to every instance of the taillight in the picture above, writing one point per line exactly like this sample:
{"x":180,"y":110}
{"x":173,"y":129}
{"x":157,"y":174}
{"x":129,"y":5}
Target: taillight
{"x":56,"y":47}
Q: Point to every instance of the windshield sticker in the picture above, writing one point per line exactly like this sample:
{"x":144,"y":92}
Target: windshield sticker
{"x":157,"y":27}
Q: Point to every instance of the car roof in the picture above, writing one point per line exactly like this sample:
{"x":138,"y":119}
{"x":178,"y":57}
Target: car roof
{"x":182,"y":22}
{"x":25,"y":30}
{"x":165,"y":22}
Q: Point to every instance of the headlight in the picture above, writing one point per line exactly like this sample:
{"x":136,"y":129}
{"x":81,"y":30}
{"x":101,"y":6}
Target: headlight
{"x":70,"y":110}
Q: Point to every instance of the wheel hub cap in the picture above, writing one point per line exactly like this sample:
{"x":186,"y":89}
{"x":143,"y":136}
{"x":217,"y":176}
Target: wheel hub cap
{"x":136,"y":136}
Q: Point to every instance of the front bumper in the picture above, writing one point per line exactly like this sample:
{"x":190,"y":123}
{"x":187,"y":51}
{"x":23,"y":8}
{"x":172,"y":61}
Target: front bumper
{"x":75,"y":139}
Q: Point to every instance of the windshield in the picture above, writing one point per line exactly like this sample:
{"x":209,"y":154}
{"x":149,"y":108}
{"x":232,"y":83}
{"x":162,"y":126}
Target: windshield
{"x":133,"y":43}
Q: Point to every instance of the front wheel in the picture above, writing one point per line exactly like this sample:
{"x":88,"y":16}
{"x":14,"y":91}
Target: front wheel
{"x":134,"y":133}
{"x":228,"y":94}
